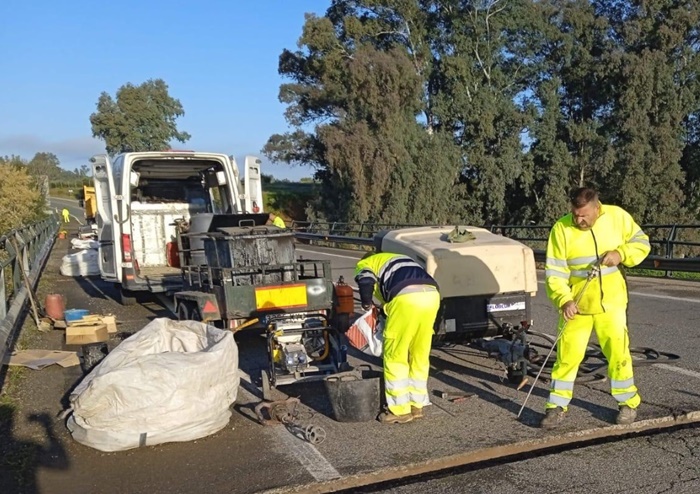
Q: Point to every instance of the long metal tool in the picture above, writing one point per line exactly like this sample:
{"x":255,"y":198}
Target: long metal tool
{"x":594,"y":271}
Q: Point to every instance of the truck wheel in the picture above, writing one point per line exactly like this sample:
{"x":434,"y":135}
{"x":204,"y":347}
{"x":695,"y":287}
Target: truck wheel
{"x":183,"y":313}
{"x":127,"y":297}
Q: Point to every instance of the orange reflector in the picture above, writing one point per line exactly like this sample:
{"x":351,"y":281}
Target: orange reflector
{"x":280,"y":297}
{"x":209,"y":307}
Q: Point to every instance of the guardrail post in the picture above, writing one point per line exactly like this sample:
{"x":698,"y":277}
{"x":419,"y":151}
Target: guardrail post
{"x":3,"y":293}
{"x":669,"y":248}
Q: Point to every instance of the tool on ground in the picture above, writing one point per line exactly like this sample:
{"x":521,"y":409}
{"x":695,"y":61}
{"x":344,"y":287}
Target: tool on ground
{"x":593,"y":273}
{"x":30,"y":292}
{"x":455,"y":397}
{"x":285,"y":412}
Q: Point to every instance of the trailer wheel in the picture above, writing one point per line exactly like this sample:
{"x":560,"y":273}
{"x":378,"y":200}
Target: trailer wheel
{"x":195,"y":315}
{"x":183,"y":313}
{"x":126,"y":297}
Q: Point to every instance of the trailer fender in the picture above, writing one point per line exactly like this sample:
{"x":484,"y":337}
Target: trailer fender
{"x":206,"y":303}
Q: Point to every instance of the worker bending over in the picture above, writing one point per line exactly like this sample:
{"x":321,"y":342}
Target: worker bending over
{"x":276,"y":220}
{"x":410,"y":300}
{"x":592,"y":236}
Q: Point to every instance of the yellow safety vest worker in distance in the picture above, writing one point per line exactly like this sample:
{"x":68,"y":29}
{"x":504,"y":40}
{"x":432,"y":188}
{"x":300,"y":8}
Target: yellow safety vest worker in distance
{"x":572,"y":252}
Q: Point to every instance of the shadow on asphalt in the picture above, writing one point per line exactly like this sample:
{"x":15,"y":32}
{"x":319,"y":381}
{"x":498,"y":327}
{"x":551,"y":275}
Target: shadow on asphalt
{"x":20,"y":459}
{"x":94,"y":287}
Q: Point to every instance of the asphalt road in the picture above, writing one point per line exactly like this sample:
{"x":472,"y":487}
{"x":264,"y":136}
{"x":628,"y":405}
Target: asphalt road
{"x":246,"y":457}
{"x":76,"y":211}
{"x":662,"y":315}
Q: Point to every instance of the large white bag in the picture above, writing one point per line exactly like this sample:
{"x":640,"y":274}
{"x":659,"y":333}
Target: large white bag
{"x":171,"y":381}
{"x":82,"y":263}
{"x":80,"y":243}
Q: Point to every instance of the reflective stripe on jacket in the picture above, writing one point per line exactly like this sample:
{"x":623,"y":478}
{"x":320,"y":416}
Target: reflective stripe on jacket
{"x":390,"y":273}
{"x":572,"y":252}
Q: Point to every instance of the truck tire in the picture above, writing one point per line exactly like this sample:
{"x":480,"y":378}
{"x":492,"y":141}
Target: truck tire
{"x":127,"y":297}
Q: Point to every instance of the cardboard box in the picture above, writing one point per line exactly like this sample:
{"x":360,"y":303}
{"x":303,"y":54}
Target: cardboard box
{"x":111,"y":322}
{"x":83,"y":335}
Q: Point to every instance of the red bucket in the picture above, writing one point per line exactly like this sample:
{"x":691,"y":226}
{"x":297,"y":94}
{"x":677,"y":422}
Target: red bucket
{"x":55,"y":305}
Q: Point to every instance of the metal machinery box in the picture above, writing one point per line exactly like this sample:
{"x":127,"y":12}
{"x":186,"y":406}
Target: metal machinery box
{"x":485,"y":282}
{"x":255,"y":254}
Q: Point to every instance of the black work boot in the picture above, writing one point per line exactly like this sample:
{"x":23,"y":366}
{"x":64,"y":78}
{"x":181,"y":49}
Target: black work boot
{"x":626,"y":415}
{"x":552,"y":418}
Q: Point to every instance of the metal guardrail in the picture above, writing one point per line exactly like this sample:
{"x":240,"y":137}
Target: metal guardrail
{"x":678,"y":249}
{"x":24,"y":249}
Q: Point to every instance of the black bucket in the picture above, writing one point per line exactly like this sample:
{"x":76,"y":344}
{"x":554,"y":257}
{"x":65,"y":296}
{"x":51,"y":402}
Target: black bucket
{"x":355,"y":395}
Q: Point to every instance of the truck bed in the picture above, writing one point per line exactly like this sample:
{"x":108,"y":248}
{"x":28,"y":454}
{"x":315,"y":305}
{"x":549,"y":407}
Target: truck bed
{"x":158,"y":273}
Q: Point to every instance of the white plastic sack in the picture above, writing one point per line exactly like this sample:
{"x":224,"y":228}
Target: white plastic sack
{"x":78,"y":243}
{"x":367,"y":333}
{"x":171,"y":381}
{"x":83,"y":263}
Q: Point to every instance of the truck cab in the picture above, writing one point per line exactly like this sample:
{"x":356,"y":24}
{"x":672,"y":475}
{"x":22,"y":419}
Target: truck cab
{"x":141,"y":195}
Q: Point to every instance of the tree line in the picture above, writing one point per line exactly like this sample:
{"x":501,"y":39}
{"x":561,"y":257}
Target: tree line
{"x":490,"y":111}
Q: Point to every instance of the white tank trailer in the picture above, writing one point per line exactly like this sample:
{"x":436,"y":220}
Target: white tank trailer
{"x":486,"y":282}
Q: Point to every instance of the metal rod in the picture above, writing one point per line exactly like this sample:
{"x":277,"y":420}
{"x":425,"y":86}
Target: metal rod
{"x":595,"y":270}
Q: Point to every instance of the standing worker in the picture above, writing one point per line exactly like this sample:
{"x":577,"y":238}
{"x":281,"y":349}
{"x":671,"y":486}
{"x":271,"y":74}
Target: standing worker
{"x":592,"y":236}
{"x":66,"y":215}
{"x":276,"y":220}
{"x":410,"y":300}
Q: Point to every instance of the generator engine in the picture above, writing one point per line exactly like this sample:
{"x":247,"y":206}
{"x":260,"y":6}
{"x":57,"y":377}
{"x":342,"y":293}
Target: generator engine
{"x":298,"y":345}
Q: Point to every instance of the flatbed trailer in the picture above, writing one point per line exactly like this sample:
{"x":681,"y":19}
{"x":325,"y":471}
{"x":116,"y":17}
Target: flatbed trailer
{"x":247,"y":277}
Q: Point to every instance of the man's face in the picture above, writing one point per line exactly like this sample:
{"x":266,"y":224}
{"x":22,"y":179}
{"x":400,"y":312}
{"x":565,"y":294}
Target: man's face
{"x":586,"y":216}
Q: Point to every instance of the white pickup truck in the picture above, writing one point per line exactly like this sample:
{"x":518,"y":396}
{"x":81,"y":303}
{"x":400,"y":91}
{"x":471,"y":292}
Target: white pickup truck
{"x":141,"y":194}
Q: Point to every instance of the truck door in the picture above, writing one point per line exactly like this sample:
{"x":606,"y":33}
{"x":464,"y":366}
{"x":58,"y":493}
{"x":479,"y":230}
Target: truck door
{"x":108,"y":227}
{"x":253,"y":185}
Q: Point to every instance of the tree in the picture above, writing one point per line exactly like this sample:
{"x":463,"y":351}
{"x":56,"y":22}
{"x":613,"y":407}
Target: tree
{"x":46,"y":164}
{"x":21,"y":202}
{"x":142,"y":118}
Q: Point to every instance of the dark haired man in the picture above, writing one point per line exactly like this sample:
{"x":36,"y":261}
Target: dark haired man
{"x":598,"y":237}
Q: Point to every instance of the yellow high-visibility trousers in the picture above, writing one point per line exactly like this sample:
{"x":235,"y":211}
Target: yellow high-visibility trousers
{"x":408,"y":336}
{"x":611,"y":329}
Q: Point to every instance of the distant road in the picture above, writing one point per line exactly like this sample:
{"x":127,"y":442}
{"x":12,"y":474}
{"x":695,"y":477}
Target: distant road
{"x":71,"y":204}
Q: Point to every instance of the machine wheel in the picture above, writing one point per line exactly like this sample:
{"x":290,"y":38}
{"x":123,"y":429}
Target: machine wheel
{"x":126,"y":297}
{"x":266,"y":389}
{"x":516,"y":376}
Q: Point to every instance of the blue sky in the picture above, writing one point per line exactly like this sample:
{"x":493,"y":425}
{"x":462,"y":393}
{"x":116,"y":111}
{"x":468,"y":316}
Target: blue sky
{"x":219,"y":58}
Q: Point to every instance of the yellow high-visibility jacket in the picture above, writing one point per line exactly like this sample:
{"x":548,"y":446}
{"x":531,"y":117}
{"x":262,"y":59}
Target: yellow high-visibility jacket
{"x":572,"y":252}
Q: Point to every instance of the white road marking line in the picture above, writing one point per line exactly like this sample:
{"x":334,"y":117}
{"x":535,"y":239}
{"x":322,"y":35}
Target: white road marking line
{"x":307,"y":454}
{"x":679,"y":370}
{"x":652,"y":295}
{"x":311,"y":458}
{"x":327,"y":254}
{"x":666,"y":297}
